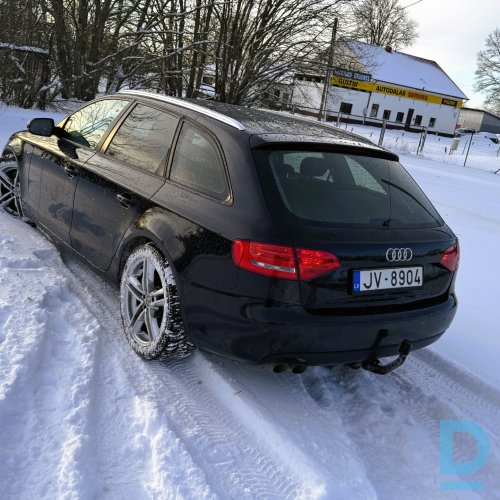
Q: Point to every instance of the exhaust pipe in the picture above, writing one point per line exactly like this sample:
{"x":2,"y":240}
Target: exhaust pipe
{"x":280,"y":367}
{"x":295,"y":366}
{"x":298,"y":368}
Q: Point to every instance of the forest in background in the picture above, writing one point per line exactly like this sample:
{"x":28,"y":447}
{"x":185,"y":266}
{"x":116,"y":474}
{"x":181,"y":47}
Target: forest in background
{"x":75,"y":49}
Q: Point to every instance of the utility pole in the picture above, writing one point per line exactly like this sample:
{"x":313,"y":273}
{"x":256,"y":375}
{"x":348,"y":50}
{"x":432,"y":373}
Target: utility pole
{"x":324,"y":96}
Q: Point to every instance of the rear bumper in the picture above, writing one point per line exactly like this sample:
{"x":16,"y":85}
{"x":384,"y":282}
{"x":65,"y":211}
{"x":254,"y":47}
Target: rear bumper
{"x":254,"y":332}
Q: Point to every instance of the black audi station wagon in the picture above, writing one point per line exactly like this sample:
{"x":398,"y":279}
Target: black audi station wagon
{"x":250,"y":234}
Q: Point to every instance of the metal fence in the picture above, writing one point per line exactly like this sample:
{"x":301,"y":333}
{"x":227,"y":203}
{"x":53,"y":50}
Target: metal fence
{"x":470,"y":150}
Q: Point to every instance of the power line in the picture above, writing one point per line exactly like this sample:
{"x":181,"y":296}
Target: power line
{"x":412,"y":4}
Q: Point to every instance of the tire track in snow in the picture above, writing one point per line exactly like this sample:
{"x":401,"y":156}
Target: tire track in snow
{"x":397,"y":422}
{"x":310,"y":444}
{"x":392,"y":421}
{"x":148,"y":459}
{"x":468,"y":396}
{"x":443,"y":391}
{"x":137,"y":455}
{"x":216,"y":441}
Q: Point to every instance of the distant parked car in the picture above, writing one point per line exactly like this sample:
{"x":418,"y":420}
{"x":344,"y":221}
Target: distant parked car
{"x":463,"y":131}
{"x":253,"y":235}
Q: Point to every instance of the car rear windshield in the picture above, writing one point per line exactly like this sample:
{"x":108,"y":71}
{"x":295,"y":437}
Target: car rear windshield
{"x":343,"y":189}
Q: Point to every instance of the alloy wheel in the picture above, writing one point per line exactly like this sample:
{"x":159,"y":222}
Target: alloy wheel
{"x":145,"y":301}
{"x":10,"y":194}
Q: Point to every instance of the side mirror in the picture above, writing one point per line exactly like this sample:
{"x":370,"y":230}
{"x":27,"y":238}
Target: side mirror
{"x":41,"y":126}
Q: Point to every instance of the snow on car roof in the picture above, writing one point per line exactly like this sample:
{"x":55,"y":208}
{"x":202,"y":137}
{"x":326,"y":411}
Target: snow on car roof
{"x":404,"y":69}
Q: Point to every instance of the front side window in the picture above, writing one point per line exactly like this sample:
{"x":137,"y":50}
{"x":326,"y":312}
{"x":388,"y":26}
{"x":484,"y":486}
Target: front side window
{"x":88,"y":125}
{"x":343,"y":190}
{"x":197,"y":163}
{"x":144,"y":138}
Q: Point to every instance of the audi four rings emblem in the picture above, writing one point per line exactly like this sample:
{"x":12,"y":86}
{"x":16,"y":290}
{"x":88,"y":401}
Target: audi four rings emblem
{"x":399,"y":254}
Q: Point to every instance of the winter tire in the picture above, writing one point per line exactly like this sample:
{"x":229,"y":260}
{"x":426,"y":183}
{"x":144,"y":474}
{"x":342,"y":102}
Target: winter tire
{"x":150,"y":307}
{"x":10,"y":199}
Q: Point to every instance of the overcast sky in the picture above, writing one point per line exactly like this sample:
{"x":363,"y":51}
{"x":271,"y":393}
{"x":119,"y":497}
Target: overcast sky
{"x":451,"y":33}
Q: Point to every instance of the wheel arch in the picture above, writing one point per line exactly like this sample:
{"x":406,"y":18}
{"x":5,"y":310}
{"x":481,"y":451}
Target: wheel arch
{"x":156,"y":226}
{"x":15,"y":146}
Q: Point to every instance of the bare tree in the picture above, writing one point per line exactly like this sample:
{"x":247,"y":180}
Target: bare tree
{"x":90,"y":46}
{"x":383,"y":22}
{"x":259,"y":42}
{"x":488,"y":71}
{"x":25,"y":51}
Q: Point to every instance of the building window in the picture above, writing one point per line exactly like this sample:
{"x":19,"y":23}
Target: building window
{"x":374,"y":111}
{"x":387,"y":114}
{"x":432,"y":122}
{"x":418,"y":120}
{"x":399,"y":117}
{"x":277,"y":93}
{"x":346,"y":108}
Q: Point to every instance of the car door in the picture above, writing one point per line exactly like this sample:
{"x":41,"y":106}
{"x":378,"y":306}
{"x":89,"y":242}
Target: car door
{"x":116,"y":184}
{"x":56,"y":162}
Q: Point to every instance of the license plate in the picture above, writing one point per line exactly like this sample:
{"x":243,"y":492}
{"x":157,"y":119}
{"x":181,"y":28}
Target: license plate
{"x":382,"y":279}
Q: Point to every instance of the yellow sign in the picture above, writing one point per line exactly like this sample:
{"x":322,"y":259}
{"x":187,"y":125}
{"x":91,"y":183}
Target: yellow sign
{"x":395,"y":91}
{"x":352,"y":84}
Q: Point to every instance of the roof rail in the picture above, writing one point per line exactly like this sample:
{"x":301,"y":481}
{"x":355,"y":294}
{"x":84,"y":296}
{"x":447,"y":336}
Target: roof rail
{"x":188,"y":105}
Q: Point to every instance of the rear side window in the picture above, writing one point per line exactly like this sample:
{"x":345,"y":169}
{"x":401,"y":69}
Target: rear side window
{"x":88,"y":125}
{"x":344,"y":190}
{"x":144,"y":138}
{"x":197,"y":163}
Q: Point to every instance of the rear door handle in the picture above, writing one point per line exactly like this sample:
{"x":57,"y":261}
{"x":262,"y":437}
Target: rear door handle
{"x":125,"y":199}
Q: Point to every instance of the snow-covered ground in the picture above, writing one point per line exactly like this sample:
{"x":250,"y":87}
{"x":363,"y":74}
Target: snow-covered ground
{"x":476,"y":151}
{"x":81,"y":416}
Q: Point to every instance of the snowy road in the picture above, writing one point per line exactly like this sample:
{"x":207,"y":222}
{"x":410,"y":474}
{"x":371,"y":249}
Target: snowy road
{"x":82,"y":417}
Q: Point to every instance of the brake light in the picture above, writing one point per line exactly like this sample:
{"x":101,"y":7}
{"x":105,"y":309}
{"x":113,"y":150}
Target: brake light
{"x":314,"y":263}
{"x":282,"y":262}
{"x":451,"y":258}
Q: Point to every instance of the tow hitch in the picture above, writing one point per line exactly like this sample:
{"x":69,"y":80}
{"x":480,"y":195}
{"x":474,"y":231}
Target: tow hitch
{"x":375,"y":366}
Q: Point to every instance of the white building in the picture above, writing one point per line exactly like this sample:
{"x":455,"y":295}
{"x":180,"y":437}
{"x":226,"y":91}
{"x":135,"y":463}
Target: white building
{"x":377,"y":83}
{"x":480,"y":120}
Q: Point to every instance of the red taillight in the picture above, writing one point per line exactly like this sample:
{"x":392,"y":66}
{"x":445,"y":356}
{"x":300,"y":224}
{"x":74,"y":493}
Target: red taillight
{"x":314,"y":263}
{"x":262,"y":258}
{"x":282,"y":261}
{"x":451,"y":258}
